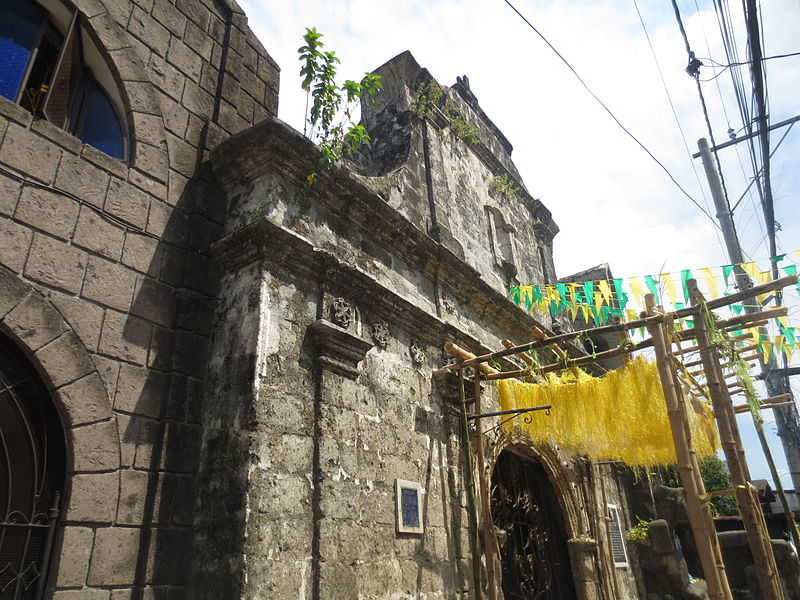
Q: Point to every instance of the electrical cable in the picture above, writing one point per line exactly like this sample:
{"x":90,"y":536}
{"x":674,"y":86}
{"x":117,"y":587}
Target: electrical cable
{"x":608,"y":110}
{"x":693,"y":62}
{"x":125,"y":225}
{"x":672,"y":107}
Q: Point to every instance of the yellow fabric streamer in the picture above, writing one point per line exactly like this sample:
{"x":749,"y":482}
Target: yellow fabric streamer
{"x":620,"y":416}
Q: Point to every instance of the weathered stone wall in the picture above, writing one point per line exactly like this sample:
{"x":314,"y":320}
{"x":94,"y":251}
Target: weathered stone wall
{"x":349,"y":291}
{"x":107,"y":284}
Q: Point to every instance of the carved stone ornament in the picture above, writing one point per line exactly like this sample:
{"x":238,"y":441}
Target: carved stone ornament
{"x":338,"y":350}
{"x":342,"y":313}
{"x":380,"y":334}
{"x":417,"y":353}
{"x":448,"y":302}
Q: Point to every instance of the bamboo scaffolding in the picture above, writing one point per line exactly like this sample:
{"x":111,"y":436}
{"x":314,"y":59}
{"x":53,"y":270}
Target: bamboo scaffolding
{"x":486,"y":513}
{"x":663,"y":336}
{"x":749,"y":508}
{"x":700,"y":518}
{"x":469,"y":488}
{"x":643,"y":322}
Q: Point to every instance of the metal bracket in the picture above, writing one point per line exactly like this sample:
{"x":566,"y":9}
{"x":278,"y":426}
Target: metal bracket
{"x":516,"y":411}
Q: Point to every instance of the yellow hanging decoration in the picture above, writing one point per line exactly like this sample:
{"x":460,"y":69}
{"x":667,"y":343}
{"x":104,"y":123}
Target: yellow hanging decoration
{"x":605,"y":290}
{"x":711,"y":282}
{"x":637,"y":290}
{"x":669,"y":286}
{"x":620,"y":416}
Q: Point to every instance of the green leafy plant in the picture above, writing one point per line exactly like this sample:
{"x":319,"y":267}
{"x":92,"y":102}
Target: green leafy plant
{"x":505,"y":186}
{"x":329,"y":118}
{"x":639,"y":532}
{"x":715,"y":479}
{"x":428,"y":97}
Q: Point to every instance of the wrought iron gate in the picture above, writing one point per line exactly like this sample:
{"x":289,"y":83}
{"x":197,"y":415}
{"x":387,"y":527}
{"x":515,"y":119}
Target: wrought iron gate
{"x":32,"y":473}
{"x":533,"y":544}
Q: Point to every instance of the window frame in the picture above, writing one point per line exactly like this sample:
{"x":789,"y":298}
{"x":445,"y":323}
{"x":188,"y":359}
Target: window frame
{"x":88,"y":69}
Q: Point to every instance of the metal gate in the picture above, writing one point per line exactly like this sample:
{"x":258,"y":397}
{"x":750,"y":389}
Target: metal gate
{"x":531,"y":533}
{"x":32,"y":473}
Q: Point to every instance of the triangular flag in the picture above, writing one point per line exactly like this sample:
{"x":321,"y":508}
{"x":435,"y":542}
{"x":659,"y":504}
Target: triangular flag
{"x":726,"y":272}
{"x":686,"y":275}
{"x":652,"y":285}
{"x":766,"y":348}
{"x":778,"y":342}
{"x":605,"y":290}
{"x":751,"y":269}
{"x":622,"y":297}
{"x":711,"y":282}
{"x":637,"y":290}
{"x":588,"y":291}
{"x":789,"y":333}
{"x":669,"y":286}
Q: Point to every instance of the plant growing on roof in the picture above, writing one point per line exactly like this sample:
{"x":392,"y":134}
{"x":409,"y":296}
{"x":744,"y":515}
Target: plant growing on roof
{"x":428,"y":97}
{"x":505,"y":186}
{"x":329,"y":119}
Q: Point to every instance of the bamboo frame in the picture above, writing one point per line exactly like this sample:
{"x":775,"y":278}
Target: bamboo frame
{"x":700,"y":517}
{"x":749,"y":508}
{"x":662,"y":337}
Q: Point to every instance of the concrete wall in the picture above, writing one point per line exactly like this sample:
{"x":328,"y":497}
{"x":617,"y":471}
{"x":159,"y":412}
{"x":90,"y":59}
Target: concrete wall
{"x":107,"y":284}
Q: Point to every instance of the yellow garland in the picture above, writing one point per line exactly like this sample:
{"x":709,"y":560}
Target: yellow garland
{"x":620,"y":416}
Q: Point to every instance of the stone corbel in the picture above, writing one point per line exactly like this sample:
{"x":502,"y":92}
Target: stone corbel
{"x":339,"y":350}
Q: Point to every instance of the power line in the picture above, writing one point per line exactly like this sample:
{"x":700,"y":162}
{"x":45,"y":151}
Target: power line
{"x":693,"y":69}
{"x":674,"y":112}
{"x":608,"y":110}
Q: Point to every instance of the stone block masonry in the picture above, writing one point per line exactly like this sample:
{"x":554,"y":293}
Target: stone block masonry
{"x":104,"y":286}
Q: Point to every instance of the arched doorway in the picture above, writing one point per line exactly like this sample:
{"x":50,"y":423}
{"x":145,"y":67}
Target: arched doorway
{"x":533,"y":541}
{"x":32,"y":475}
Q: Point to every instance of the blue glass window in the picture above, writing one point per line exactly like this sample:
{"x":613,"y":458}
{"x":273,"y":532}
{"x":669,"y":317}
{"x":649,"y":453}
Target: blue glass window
{"x":99,"y":124}
{"x":21,"y":23}
{"x":409,"y":504}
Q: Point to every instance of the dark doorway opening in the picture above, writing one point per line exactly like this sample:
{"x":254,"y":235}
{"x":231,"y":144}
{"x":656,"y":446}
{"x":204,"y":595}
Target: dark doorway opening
{"x":32,"y":475}
{"x":532,"y":535}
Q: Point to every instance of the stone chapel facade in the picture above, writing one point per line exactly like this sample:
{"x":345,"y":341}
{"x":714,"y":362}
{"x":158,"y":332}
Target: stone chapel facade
{"x":222,"y":378}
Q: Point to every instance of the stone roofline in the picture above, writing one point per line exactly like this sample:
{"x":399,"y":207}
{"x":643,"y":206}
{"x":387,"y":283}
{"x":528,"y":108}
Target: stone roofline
{"x":274,"y":147}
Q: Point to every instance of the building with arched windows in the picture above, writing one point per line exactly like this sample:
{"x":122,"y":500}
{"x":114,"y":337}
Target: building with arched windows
{"x":216,"y":384}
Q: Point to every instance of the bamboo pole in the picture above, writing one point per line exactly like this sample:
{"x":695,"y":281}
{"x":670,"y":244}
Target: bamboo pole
{"x":465,"y":356}
{"x":469,"y":488}
{"x":601,"y":539}
{"x":704,"y":535}
{"x":752,"y":517}
{"x":488,"y":525}
{"x":470,"y":360}
{"x":607,"y":521}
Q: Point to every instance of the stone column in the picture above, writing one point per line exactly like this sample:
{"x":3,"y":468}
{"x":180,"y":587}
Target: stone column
{"x":335,"y":502}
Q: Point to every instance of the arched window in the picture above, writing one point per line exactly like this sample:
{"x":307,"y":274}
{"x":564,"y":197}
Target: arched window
{"x":49,"y":65}
{"x":32,"y":475}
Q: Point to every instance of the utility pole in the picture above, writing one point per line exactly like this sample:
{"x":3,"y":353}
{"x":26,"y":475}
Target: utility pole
{"x":786,"y":418}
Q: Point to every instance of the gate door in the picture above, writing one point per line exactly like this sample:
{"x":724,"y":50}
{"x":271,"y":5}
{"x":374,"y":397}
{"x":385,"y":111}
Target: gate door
{"x":532,"y":536}
{"x":32,"y":473}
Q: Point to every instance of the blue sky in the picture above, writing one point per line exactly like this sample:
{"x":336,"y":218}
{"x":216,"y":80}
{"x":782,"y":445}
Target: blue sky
{"x":611,"y":201}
